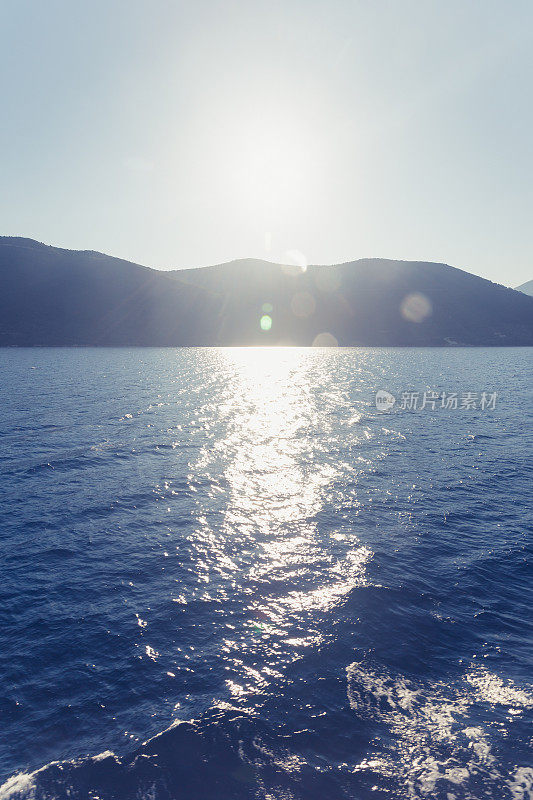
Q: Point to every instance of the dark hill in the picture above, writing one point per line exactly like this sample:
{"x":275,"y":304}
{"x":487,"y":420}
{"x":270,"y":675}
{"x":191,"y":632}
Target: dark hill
{"x":526,"y":288}
{"x":368,"y":302}
{"x":50,"y":296}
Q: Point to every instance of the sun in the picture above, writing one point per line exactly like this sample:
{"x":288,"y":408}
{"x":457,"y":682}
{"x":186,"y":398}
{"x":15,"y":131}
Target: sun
{"x":269,"y":164}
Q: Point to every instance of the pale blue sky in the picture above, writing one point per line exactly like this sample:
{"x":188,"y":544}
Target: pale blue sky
{"x":182,"y":134}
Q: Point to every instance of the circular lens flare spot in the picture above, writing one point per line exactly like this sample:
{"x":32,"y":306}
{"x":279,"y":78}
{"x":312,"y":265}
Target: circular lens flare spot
{"x":416,"y":307}
{"x":325,"y":340}
{"x":295,"y":263}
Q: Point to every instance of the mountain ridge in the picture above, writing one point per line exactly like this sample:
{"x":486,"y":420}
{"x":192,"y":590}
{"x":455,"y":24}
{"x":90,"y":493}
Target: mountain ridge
{"x":55,"y":296}
{"x":526,"y":288}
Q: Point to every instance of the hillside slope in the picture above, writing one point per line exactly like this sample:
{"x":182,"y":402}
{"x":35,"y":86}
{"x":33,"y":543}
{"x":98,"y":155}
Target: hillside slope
{"x":526,"y":288}
{"x":51,"y":296}
{"x":367,"y":302}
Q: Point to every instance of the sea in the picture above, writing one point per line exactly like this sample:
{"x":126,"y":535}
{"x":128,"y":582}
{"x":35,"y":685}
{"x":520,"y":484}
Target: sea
{"x":226,"y":574}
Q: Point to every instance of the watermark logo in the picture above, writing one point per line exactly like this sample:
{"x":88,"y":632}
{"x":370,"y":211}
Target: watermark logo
{"x":432,"y":400}
{"x":384,"y":400}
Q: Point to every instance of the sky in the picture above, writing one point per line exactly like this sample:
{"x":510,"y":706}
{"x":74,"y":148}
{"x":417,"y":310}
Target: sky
{"x":180,"y":134}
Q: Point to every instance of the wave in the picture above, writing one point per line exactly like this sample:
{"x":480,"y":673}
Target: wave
{"x":399,"y":737}
{"x":446,"y":740}
{"x":226,"y":754}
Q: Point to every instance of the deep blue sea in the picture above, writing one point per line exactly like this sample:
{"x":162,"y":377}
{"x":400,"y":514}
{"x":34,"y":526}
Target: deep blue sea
{"x":226,"y":575}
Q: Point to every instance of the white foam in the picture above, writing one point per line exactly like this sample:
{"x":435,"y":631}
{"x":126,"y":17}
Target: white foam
{"x":521,"y":784}
{"x":23,"y":785}
{"x":104,"y":755}
{"x":490,"y":688}
{"x":19,"y":786}
{"x":433,"y":739}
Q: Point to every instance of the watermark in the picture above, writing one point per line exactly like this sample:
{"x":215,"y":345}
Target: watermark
{"x":433,"y":400}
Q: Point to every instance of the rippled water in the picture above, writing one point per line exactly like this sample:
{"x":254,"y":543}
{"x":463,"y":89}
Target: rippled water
{"x":226,"y":575}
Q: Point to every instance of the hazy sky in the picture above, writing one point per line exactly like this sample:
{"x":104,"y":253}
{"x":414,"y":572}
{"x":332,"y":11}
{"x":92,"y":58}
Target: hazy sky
{"x":182,"y":134}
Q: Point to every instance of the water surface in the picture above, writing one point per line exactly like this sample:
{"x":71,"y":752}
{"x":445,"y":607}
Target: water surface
{"x":225,"y":574}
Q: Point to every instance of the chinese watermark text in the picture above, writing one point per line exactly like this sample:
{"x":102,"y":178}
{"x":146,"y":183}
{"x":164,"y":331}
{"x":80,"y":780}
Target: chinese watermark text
{"x":433,"y":400}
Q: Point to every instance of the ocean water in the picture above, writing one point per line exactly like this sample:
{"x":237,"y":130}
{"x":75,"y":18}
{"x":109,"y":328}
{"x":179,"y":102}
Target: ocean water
{"x":225,"y":574}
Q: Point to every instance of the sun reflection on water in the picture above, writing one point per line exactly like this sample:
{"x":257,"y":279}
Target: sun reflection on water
{"x":272,"y":457}
{"x":272,"y":470}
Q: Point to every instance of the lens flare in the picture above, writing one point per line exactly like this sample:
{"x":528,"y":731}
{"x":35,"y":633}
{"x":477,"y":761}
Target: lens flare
{"x":295,"y":262}
{"x":325,"y":340}
{"x":416,"y":307}
{"x":265,"y":322}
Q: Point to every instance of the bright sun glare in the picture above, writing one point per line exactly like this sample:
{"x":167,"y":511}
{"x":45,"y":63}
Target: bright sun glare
{"x":269,"y":164}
